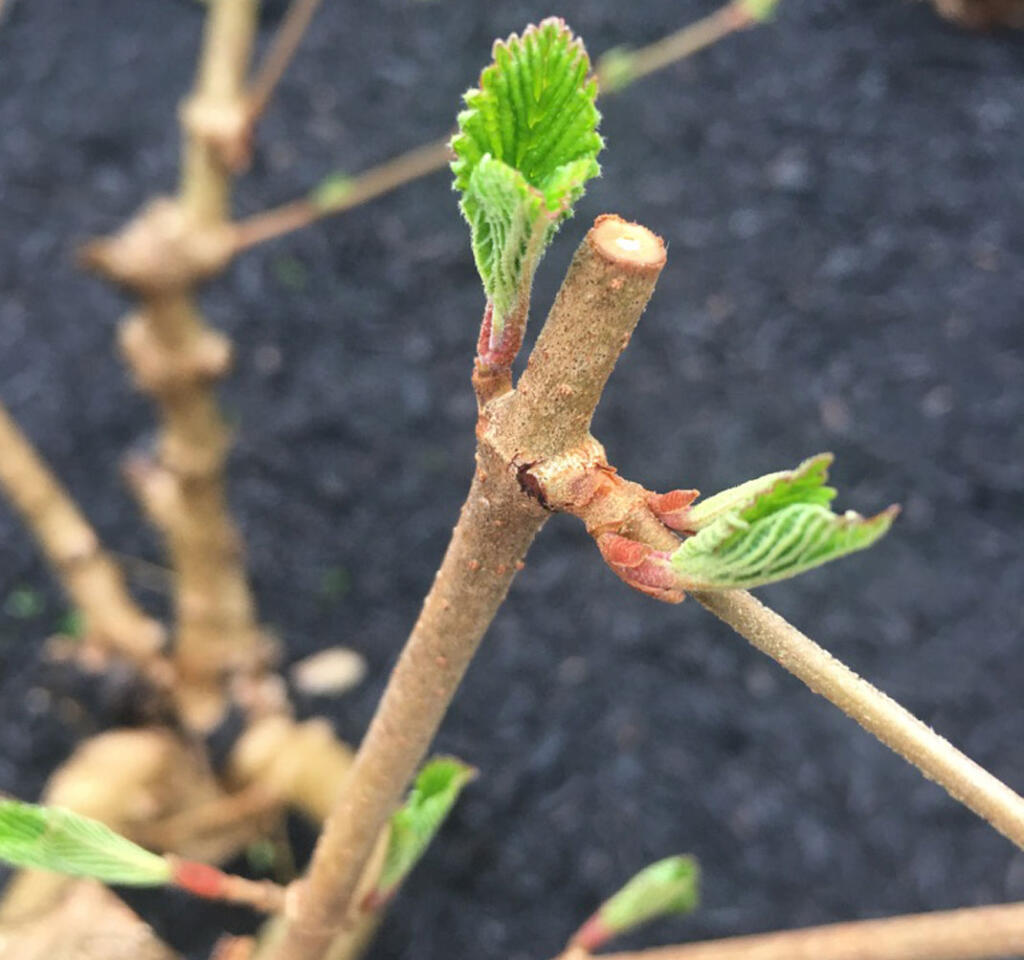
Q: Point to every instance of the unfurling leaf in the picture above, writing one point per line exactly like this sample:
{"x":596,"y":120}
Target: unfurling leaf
{"x":413,"y":827}
{"x":526,"y":146}
{"x":770,"y":529}
{"x":668,"y":886}
{"x":50,"y":838}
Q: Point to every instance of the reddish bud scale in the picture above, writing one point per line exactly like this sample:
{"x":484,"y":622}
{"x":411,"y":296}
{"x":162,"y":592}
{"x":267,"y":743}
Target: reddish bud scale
{"x":640,"y":566}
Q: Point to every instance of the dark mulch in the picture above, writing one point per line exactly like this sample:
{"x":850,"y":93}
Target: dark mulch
{"x":843,"y":194}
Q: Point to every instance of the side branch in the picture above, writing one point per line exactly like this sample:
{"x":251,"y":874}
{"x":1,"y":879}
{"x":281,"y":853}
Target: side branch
{"x":896,"y":727}
{"x":91,"y":578}
{"x":978,"y":933}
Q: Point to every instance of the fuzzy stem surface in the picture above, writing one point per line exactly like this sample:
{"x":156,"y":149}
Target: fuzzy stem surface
{"x":600,"y":302}
{"x":976,"y":933}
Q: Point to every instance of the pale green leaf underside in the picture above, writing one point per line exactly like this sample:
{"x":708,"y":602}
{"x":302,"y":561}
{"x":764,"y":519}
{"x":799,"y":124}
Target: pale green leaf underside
{"x":50,"y":838}
{"x":526,"y":146}
{"x":770,"y":529}
{"x":805,"y":484}
{"x":666,"y":887}
{"x":413,"y":827}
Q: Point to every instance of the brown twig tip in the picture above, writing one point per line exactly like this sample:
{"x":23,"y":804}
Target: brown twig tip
{"x":627,"y":244}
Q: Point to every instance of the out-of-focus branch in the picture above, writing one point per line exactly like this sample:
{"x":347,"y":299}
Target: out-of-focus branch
{"x":281,"y":53}
{"x":162,"y":256}
{"x":977,"y":933}
{"x":374,"y":183}
{"x":617,"y":69}
{"x":91,"y":578}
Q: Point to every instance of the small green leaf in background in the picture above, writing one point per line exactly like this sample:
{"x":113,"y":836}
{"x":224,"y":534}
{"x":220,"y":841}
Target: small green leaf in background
{"x":527,"y":144}
{"x":331,"y":191}
{"x":668,"y":886}
{"x":413,"y":827}
{"x":24,"y":603}
{"x":50,"y":838}
{"x":770,"y":529}
{"x":616,"y":69}
{"x":759,"y":10}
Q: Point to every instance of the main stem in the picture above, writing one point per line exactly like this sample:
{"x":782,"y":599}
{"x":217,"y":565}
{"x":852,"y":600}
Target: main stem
{"x":978,"y":933}
{"x":604,"y":293}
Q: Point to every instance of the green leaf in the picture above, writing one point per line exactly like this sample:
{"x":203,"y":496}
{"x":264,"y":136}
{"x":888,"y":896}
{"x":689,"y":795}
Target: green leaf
{"x":805,"y":484}
{"x":331,"y":191}
{"x":413,"y":827}
{"x":50,"y":838}
{"x":666,"y":887}
{"x":526,"y":146}
{"x":616,"y":69}
{"x":770,"y":529}
{"x":759,"y":10}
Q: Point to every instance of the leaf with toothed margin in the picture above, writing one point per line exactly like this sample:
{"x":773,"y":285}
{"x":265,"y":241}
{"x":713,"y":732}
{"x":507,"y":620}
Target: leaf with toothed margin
{"x":665,"y":887}
{"x":413,"y":826}
{"x":54,"y":839}
{"x":771,"y":529}
{"x":526,"y":146}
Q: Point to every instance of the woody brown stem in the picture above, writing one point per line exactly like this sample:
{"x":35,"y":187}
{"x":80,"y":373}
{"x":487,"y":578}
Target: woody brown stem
{"x":281,"y":53}
{"x":162,"y":256}
{"x":977,"y":933}
{"x":608,"y":287}
{"x":91,"y":578}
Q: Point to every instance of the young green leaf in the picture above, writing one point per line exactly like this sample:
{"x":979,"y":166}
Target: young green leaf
{"x":805,"y":484}
{"x":413,"y":827}
{"x":527,"y":144}
{"x":50,"y":838}
{"x":666,"y":887}
{"x":770,"y":529}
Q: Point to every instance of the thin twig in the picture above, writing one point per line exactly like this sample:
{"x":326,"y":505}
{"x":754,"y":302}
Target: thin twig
{"x":281,"y":53}
{"x":91,"y":578}
{"x":211,"y":883}
{"x":375,"y":182}
{"x":432,"y":157}
{"x":604,"y":293}
{"x":897,"y":728}
{"x":977,"y":933}
{"x":685,"y":42}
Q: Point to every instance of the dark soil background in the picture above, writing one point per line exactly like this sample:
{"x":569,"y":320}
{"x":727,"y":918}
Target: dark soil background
{"x":843,"y":194}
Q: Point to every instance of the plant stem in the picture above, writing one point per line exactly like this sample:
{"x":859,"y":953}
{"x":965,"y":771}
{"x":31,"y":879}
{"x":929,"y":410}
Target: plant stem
{"x":375,"y":182}
{"x":281,"y":53}
{"x":685,"y":42}
{"x":91,"y":578}
{"x":162,"y":256}
{"x":604,"y":293}
{"x":978,"y":933}
{"x":901,"y":731}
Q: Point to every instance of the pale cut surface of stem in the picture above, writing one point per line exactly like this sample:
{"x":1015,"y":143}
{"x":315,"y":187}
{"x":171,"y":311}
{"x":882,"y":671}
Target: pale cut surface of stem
{"x":897,"y":728}
{"x":977,"y":933}
{"x":282,"y":51}
{"x":91,"y":578}
{"x":608,"y":286}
